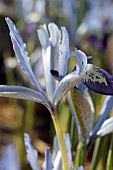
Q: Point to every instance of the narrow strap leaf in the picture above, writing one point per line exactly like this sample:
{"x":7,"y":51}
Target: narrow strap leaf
{"x":48,"y":163}
{"x":84,"y":112}
{"x":21,"y":54}
{"x":107,"y":105}
{"x":20,"y":92}
{"x":32,"y":154}
{"x":9,"y":160}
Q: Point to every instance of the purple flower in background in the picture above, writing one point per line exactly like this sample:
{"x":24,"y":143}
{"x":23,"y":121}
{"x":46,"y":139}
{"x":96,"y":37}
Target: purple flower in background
{"x":29,"y":28}
{"x":97,"y":43}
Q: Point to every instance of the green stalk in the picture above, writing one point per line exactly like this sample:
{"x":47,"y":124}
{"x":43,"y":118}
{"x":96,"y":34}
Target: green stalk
{"x":72,"y":133}
{"x":60,"y":137}
{"x":109,"y":163}
{"x":97,"y":153}
{"x":80,"y":155}
{"x":29,"y":116}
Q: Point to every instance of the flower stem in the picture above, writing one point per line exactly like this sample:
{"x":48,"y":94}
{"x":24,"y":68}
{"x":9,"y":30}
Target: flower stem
{"x":110,"y":156}
{"x":80,"y":155}
{"x":97,"y":153}
{"x":60,"y":137}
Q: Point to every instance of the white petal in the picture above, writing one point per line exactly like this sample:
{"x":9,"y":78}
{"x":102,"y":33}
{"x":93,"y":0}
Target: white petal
{"x":106,"y":128}
{"x":64,"y":53}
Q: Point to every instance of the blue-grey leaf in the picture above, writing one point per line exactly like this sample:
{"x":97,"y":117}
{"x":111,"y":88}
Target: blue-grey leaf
{"x":98,"y":80}
{"x":82,"y":87}
{"x":20,"y":92}
{"x":72,"y":110}
{"x":21,"y":54}
{"x":68,"y":148}
{"x":106,"y":128}
{"x":84,"y":112}
{"x":48,"y":163}
{"x":78,"y":168}
{"x":32,"y":154}
{"x":9,"y":160}
{"x":107,"y":106}
{"x":64,"y":53}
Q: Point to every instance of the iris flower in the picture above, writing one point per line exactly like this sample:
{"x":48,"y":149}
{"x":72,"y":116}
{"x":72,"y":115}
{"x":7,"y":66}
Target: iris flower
{"x":92,"y":76}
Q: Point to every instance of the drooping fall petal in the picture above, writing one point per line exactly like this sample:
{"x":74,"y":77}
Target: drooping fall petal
{"x":98,"y":80}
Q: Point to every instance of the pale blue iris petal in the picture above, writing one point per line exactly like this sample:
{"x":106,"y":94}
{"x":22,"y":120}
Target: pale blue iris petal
{"x":64,"y":53}
{"x":81,"y":59}
{"x":106,"y":128}
{"x":54,"y":34}
{"x":20,"y":92}
{"x":57,"y":160}
{"x":21,"y":54}
{"x":32,"y":154}
{"x":67,"y":83}
{"x":43,"y":36}
{"x":48,"y":163}
{"x":107,"y":105}
{"x":50,"y":86}
{"x":47,"y":59}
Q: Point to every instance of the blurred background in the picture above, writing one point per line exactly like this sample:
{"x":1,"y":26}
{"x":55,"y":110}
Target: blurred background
{"x":90,"y":27}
